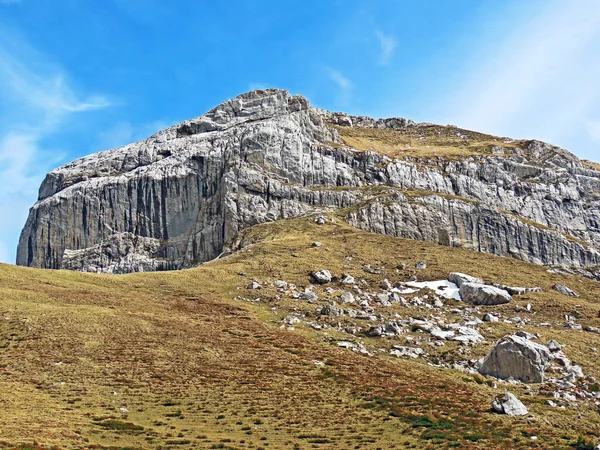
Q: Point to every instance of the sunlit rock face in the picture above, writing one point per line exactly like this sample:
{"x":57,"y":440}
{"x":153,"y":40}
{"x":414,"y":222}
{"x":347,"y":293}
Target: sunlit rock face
{"x":180,"y":197}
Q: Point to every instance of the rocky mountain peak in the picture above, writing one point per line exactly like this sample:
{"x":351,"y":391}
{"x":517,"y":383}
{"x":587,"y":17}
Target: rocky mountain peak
{"x":182,"y":196}
{"x":248,"y":107}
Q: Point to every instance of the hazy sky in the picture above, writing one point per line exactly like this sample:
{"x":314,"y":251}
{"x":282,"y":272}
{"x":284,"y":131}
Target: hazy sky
{"x":82,"y":76}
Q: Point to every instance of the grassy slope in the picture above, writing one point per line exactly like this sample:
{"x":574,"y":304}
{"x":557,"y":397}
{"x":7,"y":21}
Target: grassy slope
{"x":424,"y":141}
{"x":198,"y":369}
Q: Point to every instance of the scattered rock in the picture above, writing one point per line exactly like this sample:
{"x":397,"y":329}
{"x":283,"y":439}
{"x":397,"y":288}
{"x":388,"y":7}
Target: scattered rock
{"x":517,"y":358}
{"x":421,"y":265}
{"x":482,"y":294}
{"x":367,"y":268}
{"x":320,"y":220}
{"x":345,"y":344}
{"x":516,"y":290}
{"x":509,"y":404}
{"x":290,"y":320}
{"x":255,"y":285}
{"x":280,"y":284}
{"x":460,"y":278}
{"x":308,"y":295}
{"x":400,"y":351}
{"x":468,"y":335}
{"x":553,"y":346}
{"x":348,"y":279}
{"x":347,"y":297}
{"x":316,"y":244}
{"x":576,"y":371}
{"x":565,"y":290}
{"x":488,"y":317}
{"x":332,"y":310}
{"x":321,"y":276}
{"x":386,"y":285}
{"x":526,"y":335}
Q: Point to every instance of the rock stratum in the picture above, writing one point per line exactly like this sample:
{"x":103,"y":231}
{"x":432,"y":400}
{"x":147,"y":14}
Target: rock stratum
{"x":182,"y":196}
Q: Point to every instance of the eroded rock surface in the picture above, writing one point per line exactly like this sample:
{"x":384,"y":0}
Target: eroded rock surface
{"x":181,"y":197}
{"x":517,"y":358}
{"x":509,"y":404}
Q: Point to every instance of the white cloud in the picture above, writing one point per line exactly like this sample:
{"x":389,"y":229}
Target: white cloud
{"x":343,"y":83}
{"x":540,"y":82}
{"x":37,"y":102}
{"x":338,"y":78}
{"x":387,"y":46}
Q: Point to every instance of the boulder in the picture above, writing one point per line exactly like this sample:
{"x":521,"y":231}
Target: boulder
{"x":459,"y":278}
{"x":347,"y":297}
{"x":468,"y":336}
{"x":490,"y":318}
{"x":254,"y":285}
{"x":348,"y":279}
{"x":386,"y":285}
{"x":509,"y":404}
{"x":280,"y":284}
{"x":367,"y":268}
{"x":526,"y":335}
{"x":332,"y":310}
{"x":308,"y":295}
{"x":322,"y":276}
{"x":553,"y":346}
{"x":565,"y":290}
{"x":483,"y":294}
{"x":517,"y":358}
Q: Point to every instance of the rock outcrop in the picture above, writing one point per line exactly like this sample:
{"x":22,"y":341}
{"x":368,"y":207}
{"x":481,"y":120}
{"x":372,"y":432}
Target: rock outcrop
{"x":181,"y":197}
{"x":509,"y":404}
{"x":517,"y":358}
{"x":483,"y":294}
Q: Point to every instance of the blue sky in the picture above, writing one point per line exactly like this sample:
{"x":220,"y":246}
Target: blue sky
{"x":82,"y":76}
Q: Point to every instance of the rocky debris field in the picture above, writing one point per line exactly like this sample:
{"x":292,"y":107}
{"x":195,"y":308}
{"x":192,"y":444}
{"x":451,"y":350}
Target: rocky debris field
{"x":495,"y":333}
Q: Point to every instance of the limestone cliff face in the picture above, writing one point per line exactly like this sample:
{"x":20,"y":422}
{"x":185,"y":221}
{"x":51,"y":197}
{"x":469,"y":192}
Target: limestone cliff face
{"x":180,"y":197}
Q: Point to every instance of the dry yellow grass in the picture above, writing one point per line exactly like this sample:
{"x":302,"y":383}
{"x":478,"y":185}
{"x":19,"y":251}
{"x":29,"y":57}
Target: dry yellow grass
{"x":196,"y":368}
{"x":423,"y":141}
{"x":592,"y":164}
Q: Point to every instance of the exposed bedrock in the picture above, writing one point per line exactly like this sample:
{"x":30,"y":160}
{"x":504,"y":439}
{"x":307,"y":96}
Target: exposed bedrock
{"x":180,"y":197}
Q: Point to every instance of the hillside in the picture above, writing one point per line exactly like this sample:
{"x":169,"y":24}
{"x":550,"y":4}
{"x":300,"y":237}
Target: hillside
{"x":196,"y":359}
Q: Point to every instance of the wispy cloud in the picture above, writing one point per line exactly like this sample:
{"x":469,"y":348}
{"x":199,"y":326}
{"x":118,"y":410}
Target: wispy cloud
{"x":541,"y":81}
{"x":123,"y":133}
{"x":387,"y":46}
{"x":37,"y":101}
{"x":343,"y":84}
{"x":338,"y":78}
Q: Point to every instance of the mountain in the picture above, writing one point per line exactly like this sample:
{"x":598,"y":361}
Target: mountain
{"x":182,"y":196}
{"x":348,"y":283}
